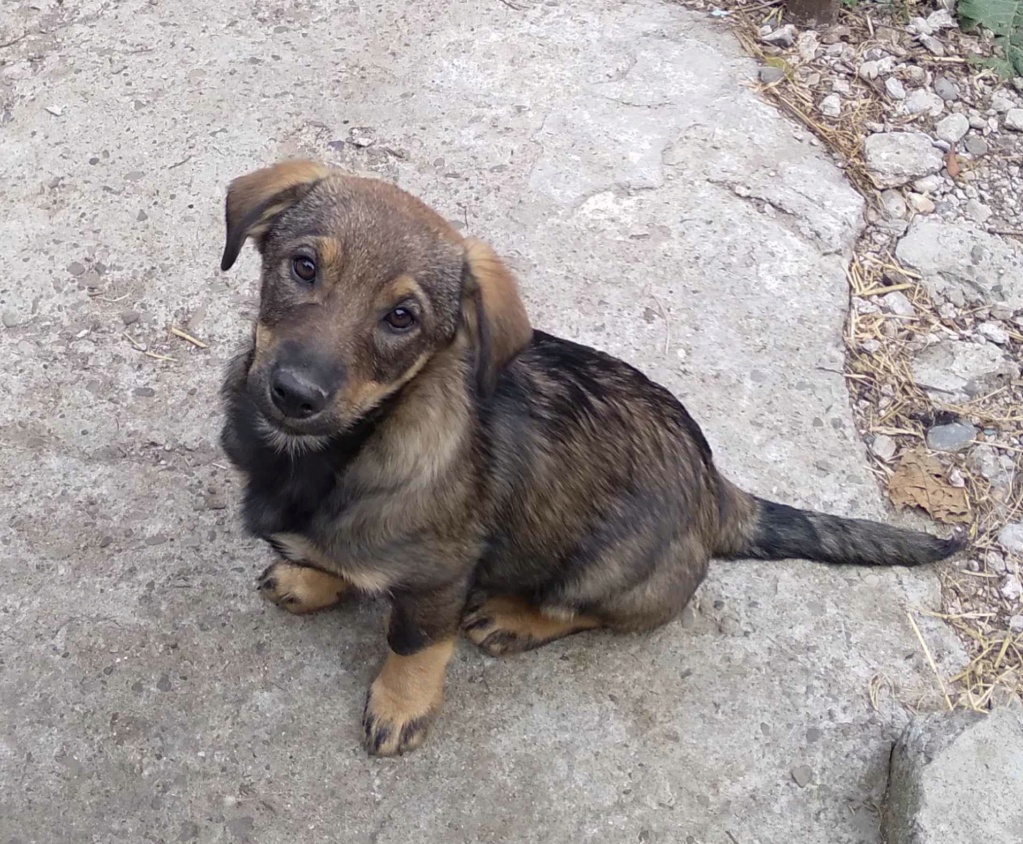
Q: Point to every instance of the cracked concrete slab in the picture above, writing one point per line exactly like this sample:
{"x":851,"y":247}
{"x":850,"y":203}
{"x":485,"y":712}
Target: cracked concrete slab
{"x":652,"y":205}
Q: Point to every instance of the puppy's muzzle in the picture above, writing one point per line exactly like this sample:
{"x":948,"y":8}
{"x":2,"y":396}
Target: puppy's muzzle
{"x":296,"y":393}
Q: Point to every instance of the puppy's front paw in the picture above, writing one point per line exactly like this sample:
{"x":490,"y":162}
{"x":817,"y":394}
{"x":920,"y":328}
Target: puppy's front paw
{"x":300,"y":589}
{"x":394,"y":725}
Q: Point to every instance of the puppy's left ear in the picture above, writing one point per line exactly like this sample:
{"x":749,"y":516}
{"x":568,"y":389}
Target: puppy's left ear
{"x":255,"y":199}
{"x":492,"y":302}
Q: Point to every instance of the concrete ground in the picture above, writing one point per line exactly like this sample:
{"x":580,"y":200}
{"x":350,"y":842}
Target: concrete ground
{"x":653,"y":206}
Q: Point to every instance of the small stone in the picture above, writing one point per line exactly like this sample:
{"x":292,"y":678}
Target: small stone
{"x":976,"y":145}
{"x":952,"y":437}
{"x":868,"y":71}
{"x":932,"y":44}
{"x":893,"y":204}
{"x":808,"y":46}
{"x":769,"y":75}
{"x":992,"y":330}
{"x":883,"y":447}
{"x":928,"y":184}
{"x":141,"y":217}
{"x":1001,"y":102}
{"x":783,"y":36}
{"x":1010,"y":538}
{"x":130,"y":317}
{"x":898,"y":304}
{"x":144,"y":392}
{"x":105,"y":541}
{"x":922,"y":101}
{"x":11,"y":318}
{"x":946,"y":89}
{"x":76,"y":268}
{"x":831,"y":105}
{"x":896,"y":90}
{"x":953,"y":128}
{"x":362,"y":136}
{"x":921,"y":204}
{"x":995,"y":562}
{"x":977,"y":122}
{"x":899,"y":157}
{"x":164,"y":683}
{"x":802,"y":775}
{"x":915,"y":74}
{"x":919,"y":26}
{"x":978,"y":211}
{"x":941,"y":19}
{"x":1014,"y":119}
{"x":1011,"y":588}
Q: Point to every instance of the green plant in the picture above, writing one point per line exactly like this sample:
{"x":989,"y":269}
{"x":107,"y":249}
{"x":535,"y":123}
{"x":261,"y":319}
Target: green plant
{"x":1005,"y":19}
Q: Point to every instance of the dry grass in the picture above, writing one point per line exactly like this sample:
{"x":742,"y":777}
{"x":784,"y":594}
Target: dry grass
{"x":881,"y":346}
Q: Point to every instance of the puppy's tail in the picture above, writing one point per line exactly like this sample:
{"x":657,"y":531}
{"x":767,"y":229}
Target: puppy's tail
{"x":765,"y":530}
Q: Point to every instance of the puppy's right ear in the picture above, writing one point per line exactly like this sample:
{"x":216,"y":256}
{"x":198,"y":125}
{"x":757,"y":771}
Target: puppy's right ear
{"x":253,"y":200}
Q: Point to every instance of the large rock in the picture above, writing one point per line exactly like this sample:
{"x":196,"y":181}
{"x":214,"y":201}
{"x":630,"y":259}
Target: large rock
{"x":895,"y":158}
{"x":957,"y":778}
{"x":956,"y":370}
{"x":960,"y":256}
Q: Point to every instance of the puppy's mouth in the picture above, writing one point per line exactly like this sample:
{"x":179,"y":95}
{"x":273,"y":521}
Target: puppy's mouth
{"x":284,"y":438}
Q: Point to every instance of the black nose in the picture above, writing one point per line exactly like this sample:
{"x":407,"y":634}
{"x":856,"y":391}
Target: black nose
{"x":295,"y":395}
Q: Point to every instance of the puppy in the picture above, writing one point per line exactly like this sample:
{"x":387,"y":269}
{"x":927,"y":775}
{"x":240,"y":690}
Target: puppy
{"x":404,"y":431}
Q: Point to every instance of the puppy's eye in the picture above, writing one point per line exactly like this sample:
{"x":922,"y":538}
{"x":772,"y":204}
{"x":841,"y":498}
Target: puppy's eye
{"x":303,"y":269}
{"x":400,"y":319}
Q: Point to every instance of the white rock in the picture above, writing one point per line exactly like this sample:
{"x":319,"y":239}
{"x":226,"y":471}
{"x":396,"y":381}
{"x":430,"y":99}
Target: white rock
{"x":783,"y":36}
{"x":868,"y":70}
{"x":899,"y":157}
{"x":933,"y":45}
{"x":1012,"y":589}
{"x":956,"y":370}
{"x":941,"y":19}
{"x":831,"y":105}
{"x":928,"y":184}
{"x":1014,"y":119}
{"x":922,"y":101}
{"x":1010,"y":538}
{"x":1016,"y":624}
{"x":807,"y":45}
{"x":893,"y":204}
{"x":978,"y":211}
{"x":919,"y":26}
{"x":883,"y":447}
{"x":921,"y":204}
{"x":896,"y":90}
{"x":898,"y":304}
{"x":953,"y":128}
{"x":1000,"y":101}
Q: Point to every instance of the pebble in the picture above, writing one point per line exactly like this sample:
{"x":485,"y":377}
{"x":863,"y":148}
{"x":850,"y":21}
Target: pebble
{"x":141,"y":217}
{"x":130,"y":317}
{"x":144,"y":392}
{"x":898,"y":304}
{"x":802,"y":775}
{"x":1010,"y":538}
{"x":164,"y":683}
{"x":992,"y":330}
{"x":831,"y":105}
{"x":783,"y":36}
{"x":899,"y":157}
{"x":1000,"y":101}
{"x":922,"y":101}
{"x":977,"y":122}
{"x":893,"y":204}
{"x":76,"y":268}
{"x":941,"y":19}
{"x":868,"y":70}
{"x":952,"y":437}
{"x":883,"y":447}
{"x":921,"y":204}
{"x":896,"y":90}
{"x":915,"y":74}
{"x":928,"y":184}
{"x":978,"y":211}
{"x":11,"y":318}
{"x":1011,"y":589}
{"x":919,"y":26}
{"x":769,"y":74}
{"x":953,"y":128}
{"x":946,"y":89}
{"x":1014,"y":119}
{"x":1016,"y":624}
{"x":932,"y":44}
{"x":976,"y":145}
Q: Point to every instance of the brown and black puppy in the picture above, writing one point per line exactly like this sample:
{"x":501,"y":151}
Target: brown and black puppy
{"x":404,"y":431}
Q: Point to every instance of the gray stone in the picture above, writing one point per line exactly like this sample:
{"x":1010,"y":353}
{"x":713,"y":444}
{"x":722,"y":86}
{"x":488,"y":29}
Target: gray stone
{"x":957,"y":777}
{"x":898,"y":303}
{"x":922,"y":101}
{"x":920,"y":203}
{"x":1010,"y":538}
{"x":1011,"y":588}
{"x":899,"y":157}
{"x":952,"y":437}
{"x":1016,"y":624}
{"x":802,"y":775}
{"x":946,"y":89}
{"x":977,"y":211}
{"x":1014,"y":119}
{"x":993,"y":331}
{"x":928,"y":184}
{"x":783,"y":36}
{"x":770,"y":74}
{"x":955,"y":370}
{"x":883,"y":447}
{"x":12,"y":318}
{"x":919,"y":26}
{"x":893,"y":204}
{"x":1001,"y":101}
{"x":976,"y":145}
{"x":130,"y":317}
{"x":953,"y":127}
{"x":896,"y":90}
{"x":941,"y":19}
{"x":933,"y":45}
{"x":831,"y":105}
{"x":986,"y":268}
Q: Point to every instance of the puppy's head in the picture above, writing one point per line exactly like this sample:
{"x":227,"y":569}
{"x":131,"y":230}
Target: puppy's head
{"x":362,"y":285}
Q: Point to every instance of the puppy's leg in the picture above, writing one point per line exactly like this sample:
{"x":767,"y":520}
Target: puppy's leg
{"x":300,"y":589}
{"x":407,"y":693}
{"x":509,"y":625}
